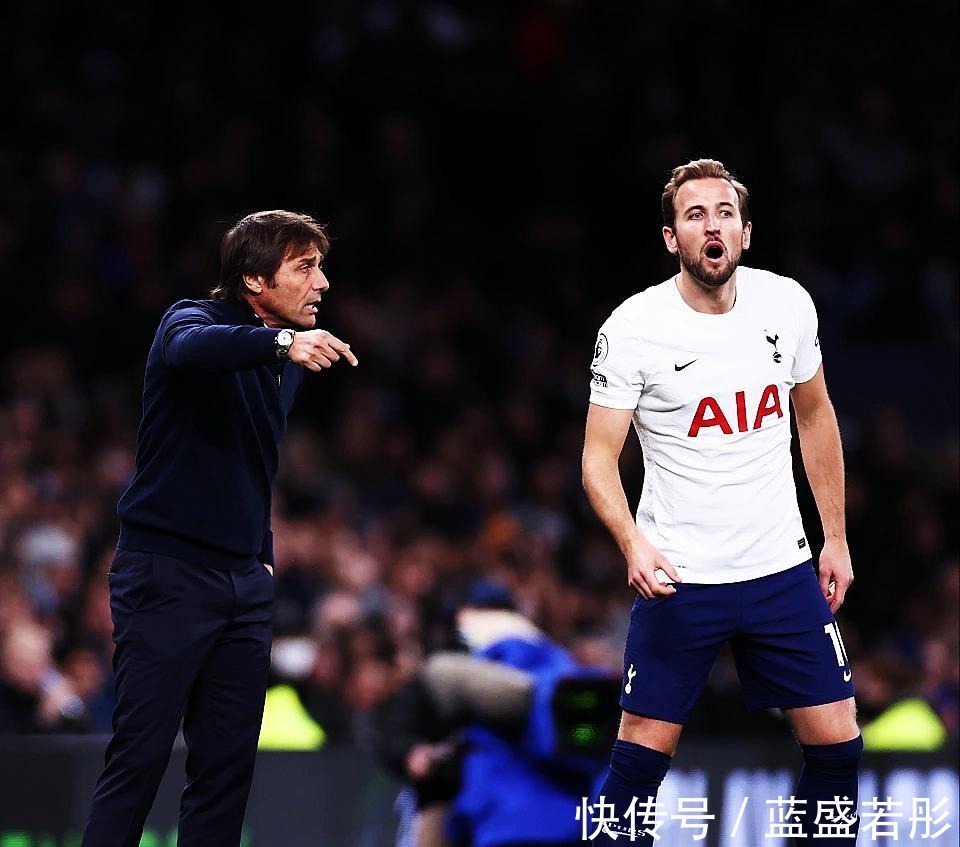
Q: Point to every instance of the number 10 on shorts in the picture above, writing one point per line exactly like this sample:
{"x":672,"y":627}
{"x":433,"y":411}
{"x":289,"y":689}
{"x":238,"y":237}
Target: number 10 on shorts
{"x":833,"y":630}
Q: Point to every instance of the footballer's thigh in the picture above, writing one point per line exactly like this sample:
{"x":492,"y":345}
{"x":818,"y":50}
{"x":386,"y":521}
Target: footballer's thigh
{"x":790,"y":655}
{"x":830,"y":723}
{"x":671,"y":646}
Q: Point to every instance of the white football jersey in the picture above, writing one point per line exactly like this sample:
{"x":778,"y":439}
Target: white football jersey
{"x":711,"y":404}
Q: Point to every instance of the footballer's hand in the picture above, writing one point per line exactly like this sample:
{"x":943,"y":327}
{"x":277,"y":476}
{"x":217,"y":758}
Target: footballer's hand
{"x":836,"y":572}
{"x":317,"y":349}
{"x":643,"y":562}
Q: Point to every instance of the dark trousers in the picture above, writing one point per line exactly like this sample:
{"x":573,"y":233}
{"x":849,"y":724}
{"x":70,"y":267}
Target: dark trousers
{"x":192,"y":643}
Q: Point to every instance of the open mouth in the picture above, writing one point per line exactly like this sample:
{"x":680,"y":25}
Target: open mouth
{"x":313,"y":306}
{"x":714,"y":250}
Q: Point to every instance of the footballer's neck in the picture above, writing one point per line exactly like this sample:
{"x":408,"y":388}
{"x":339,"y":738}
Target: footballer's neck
{"x":709,"y":299}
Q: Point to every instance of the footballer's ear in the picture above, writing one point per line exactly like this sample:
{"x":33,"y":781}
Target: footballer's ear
{"x":670,"y":239}
{"x":254,"y":284}
{"x":747,"y":231}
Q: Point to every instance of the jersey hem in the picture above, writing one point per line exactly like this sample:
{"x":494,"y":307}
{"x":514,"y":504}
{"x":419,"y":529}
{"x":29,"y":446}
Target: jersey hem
{"x":744,"y":575}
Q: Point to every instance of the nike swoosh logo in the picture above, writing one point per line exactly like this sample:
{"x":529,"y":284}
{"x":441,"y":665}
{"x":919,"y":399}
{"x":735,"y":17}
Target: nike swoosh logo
{"x":681,"y":367}
{"x":847,"y":675}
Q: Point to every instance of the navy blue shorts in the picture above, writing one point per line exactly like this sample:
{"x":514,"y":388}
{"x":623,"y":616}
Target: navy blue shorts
{"x":784,"y":640}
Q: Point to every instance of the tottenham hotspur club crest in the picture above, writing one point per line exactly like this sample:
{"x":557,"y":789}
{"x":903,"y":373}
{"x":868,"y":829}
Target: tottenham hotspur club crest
{"x":773,"y":340}
{"x":631,"y":673}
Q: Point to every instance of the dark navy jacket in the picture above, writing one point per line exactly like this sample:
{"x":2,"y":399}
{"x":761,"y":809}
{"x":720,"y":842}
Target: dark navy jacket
{"x":215,"y":405}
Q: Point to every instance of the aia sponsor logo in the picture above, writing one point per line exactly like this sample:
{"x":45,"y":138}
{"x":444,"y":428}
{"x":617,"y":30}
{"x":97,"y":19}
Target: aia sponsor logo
{"x":710,"y":413}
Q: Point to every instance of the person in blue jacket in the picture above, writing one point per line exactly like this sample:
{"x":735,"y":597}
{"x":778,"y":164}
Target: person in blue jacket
{"x":191,"y":583}
{"x":501,"y":742}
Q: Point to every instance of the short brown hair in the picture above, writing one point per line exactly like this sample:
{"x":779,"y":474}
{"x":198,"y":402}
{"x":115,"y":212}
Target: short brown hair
{"x":257,"y":244}
{"x":700,"y":169}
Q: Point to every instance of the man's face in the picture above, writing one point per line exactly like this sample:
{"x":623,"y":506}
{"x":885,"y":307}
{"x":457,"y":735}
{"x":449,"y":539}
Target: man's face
{"x":292,"y":296}
{"x":709,"y":234}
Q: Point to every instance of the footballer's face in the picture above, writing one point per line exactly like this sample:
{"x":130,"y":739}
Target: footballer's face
{"x":291,"y":296}
{"x":709,"y":234}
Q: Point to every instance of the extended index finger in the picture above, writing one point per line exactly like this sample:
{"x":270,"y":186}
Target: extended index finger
{"x":344,"y":350}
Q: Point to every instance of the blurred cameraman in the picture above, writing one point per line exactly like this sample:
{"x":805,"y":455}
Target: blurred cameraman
{"x":481,"y":734}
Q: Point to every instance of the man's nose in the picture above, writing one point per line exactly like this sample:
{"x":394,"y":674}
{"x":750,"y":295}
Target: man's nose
{"x":322,"y":282}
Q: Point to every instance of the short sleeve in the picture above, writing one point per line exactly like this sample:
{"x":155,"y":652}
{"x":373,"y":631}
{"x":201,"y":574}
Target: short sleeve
{"x":616,"y":375}
{"x":808,"y":358}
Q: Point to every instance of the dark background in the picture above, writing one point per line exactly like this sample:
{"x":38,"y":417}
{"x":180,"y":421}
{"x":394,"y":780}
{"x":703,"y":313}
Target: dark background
{"x":491,"y":178}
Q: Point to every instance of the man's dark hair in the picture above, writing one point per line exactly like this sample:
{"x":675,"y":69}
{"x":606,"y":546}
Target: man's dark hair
{"x":700,"y":169}
{"x":257,"y":244}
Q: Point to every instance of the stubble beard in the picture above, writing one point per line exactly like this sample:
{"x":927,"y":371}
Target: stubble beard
{"x":707,"y":276}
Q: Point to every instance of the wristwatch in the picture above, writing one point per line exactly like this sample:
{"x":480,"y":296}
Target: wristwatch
{"x":284,"y":341}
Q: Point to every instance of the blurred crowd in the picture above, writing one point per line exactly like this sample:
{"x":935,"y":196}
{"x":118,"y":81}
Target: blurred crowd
{"x":491,"y":179}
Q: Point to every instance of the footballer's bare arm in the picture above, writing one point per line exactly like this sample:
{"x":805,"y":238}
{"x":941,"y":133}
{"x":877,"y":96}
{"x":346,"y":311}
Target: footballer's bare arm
{"x":603,"y":441}
{"x":823,"y":461}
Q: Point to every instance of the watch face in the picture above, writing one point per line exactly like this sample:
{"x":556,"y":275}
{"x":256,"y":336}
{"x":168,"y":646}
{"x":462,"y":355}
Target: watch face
{"x":285,"y":337}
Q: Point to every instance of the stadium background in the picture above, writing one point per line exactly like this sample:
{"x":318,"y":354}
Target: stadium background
{"x":490,"y":174}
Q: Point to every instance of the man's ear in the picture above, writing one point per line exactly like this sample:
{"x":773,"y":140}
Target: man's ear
{"x":670,"y":239}
{"x":254,"y":284}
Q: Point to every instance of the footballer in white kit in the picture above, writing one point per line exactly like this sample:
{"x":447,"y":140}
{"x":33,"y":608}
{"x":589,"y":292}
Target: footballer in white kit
{"x":710,"y":395}
{"x":706,"y":366}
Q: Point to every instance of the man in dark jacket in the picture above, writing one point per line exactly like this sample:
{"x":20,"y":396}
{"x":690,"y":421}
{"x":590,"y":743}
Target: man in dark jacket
{"x":191,"y":585}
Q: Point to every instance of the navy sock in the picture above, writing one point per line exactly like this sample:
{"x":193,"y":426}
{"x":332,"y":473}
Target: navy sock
{"x":635,"y":771}
{"x":829,"y":771}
